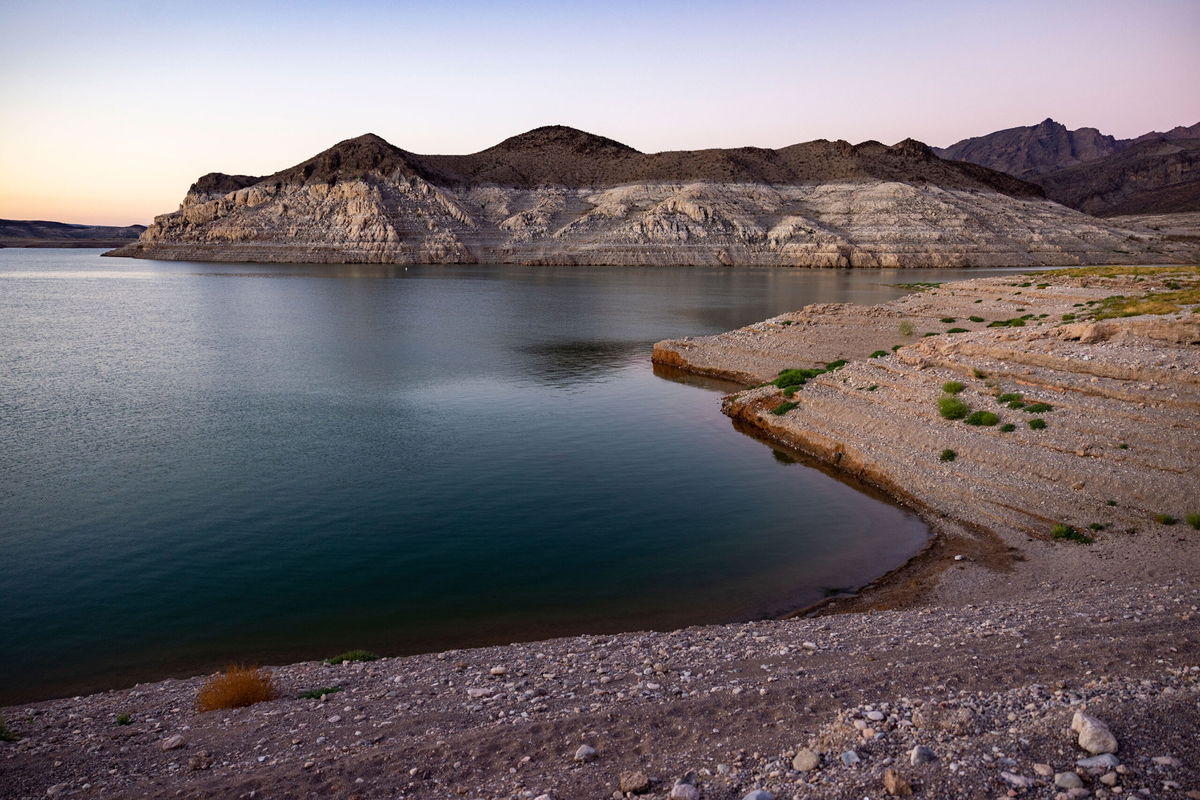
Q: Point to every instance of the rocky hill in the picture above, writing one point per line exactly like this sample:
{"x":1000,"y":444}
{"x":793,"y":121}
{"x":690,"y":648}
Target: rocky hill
{"x":1154,"y":176}
{"x":1092,"y":172}
{"x":39,"y":233}
{"x":556,"y":195}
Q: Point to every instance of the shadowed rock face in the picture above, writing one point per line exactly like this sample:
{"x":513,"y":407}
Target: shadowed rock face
{"x":556,"y":195}
{"x":1094,"y":173}
{"x":41,"y":233}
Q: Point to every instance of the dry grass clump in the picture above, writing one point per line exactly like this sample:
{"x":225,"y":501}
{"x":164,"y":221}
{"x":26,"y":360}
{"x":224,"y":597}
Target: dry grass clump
{"x":236,"y":687}
{"x":1116,"y":272}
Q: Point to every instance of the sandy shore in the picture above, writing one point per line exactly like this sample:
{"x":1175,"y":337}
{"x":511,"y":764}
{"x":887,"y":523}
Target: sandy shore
{"x":981,"y":650}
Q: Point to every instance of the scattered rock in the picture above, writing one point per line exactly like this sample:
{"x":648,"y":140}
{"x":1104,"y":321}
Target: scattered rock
{"x":895,"y":785}
{"x":1167,"y":761}
{"x":1094,"y":735}
{"x":1094,"y":762}
{"x":586,"y":753}
{"x":684,"y":791}
{"x":758,"y":794}
{"x":634,"y":782}
{"x":1067,"y":780}
{"x":172,"y":742}
{"x":806,"y":761}
{"x":1045,"y":770}
{"x":850,"y":758}
{"x":201,"y":760}
{"x":1017,"y":781}
{"x":921,"y":755}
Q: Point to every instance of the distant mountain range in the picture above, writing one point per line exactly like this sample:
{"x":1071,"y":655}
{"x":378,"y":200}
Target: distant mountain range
{"x":557,"y":195}
{"x":1153,"y":173}
{"x":41,"y":233}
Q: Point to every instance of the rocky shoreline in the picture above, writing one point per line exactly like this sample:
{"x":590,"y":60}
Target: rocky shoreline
{"x":962,"y":677}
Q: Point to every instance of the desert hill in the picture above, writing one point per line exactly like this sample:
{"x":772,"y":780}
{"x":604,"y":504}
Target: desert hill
{"x":556,"y":195}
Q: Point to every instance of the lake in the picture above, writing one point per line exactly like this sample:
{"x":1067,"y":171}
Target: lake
{"x":208,"y":463}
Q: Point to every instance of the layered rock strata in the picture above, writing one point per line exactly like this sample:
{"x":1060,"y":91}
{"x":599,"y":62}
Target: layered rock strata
{"x":1121,"y":398}
{"x":560,"y":196}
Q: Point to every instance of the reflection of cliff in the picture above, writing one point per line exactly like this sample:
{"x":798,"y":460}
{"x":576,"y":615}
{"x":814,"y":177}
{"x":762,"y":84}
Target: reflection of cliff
{"x":561,"y":196}
{"x":583,"y":361}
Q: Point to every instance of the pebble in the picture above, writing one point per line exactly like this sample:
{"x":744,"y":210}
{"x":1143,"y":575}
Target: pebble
{"x":758,"y":794}
{"x":1094,"y":735}
{"x":1105,"y":760}
{"x":684,"y":791}
{"x":1017,"y":781}
{"x":1067,"y":780}
{"x":633,"y":782}
{"x":875,"y":716}
{"x":850,"y":758}
{"x":172,"y":742}
{"x":499,"y":670}
{"x":806,"y":761}
{"x":1166,"y":761}
{"x":921,"y":755}
{"x":1045,"y":770}
{"x":585,"y":753}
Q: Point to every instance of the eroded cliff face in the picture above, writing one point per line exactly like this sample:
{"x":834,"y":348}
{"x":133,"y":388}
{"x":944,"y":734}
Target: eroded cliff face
{"x":557,"y":196}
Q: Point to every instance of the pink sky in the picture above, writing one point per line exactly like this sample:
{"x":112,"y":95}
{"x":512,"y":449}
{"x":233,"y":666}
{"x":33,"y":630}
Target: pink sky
{"x":112,"y":109}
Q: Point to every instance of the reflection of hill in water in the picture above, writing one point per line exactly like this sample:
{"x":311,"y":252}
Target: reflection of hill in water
{"x":560,"y":363}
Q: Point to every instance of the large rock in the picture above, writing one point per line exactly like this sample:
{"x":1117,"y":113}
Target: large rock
{"x":1094,"y":735}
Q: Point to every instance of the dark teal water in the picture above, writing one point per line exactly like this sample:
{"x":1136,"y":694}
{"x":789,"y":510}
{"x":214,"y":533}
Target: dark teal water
{"x":203,"y":463}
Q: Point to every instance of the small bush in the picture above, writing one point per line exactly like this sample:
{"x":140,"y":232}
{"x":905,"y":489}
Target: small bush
{"x":1111,"y":503}
{"x":1038,"y":424}
{"x":1061,"y":531}
{"x":980,"y":300}
{"x":906,"y":328}
{"x":1193,"y":520}
{"x":1123,"y":446}
{"x":872,"y":387}
{"x":1041,"y":286}
{"x":317,"y":694}
{"x":956,"y":330}
{"x":978,"y":373}
{"x":783,"y":408}
{"x":948,"y":320}
{"x":879,"y":354}
{"x":832,"y":365}
{"x":124,"y":719}
{"x":1096,"y":526}
{"x":950,"y":407}
{"x":984,"y":418}
{"x":974,"y":318}
{"x":353,"y":655}
{"x":1009,"y":398}
{"x":1165,"y":519}
{"x":896,"y":347}
{"x":948,"y":455}
{"x":1007,"y":427}
{"x":1016,"y":405}
{"x":1038,"y":408}
{"x":952,"y":387}
{"x":236,"y":687}
{"x":7,"y":735}
{"x":931,"y":333}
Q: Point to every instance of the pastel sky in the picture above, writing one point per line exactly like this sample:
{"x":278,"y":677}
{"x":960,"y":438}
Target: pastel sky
{"x":111,"y":109}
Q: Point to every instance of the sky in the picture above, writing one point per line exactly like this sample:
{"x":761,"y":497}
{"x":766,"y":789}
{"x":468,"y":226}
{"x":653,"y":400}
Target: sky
{"x":110,"y":110}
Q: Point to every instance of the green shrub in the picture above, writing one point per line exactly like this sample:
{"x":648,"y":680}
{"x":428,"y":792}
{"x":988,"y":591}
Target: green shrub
{"x":1061,"y":531}
{"x":948,"y":455}
{"x":879,"y":354}
{"x":974,"y":318}
{"x":1193,"y":520}
{"x":1010,"y":397}
{"x":1007,"y":427}
{"x":1041,"y":286}
{"x":1096,"y":526}
{"x":872,"y":387}
{"x":948,"y":320}
{"x":124,"y":719}
{"x":1038,"y":408}
{"x":353,"y":655}
{"x":1038,"y":424}
{"x":931,"y":333}
{"x":906,"y":328}
{"x":317,"y":694}
{"x":950,"y":407}
{"x":1111,"y":503}
{"x":832,"y":365}
{"x":984,"y":418}
{"x":783,"y":408}
{"x":1123,"y":446}
{"x":896,"y":347}
{"x":1016,"y":405}
{"x":1068,"y":317}
{"x":980,"y":300}
{"x":7,"y":735}
{"x":1165,"y":519}
{"x":952,"y":387}
{"x":978,"y":373}
{"x":956,"y":330}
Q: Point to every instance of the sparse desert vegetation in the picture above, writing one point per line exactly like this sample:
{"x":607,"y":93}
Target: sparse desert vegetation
{"x":238,"y":686}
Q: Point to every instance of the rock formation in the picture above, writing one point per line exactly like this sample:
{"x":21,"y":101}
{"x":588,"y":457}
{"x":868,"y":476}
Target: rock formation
{"x":40,"y":233}
{"x":1156,"y":173}
{"x":556,"y":195}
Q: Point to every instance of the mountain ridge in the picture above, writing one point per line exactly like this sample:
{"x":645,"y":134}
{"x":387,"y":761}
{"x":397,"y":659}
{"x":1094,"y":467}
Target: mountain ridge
{"x":558,"y":195}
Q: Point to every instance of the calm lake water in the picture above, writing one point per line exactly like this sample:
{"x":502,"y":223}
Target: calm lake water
{"x":204,"y":463}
